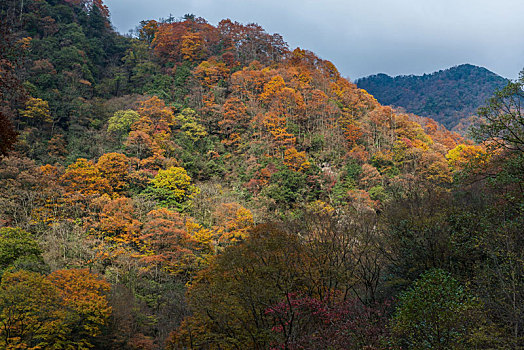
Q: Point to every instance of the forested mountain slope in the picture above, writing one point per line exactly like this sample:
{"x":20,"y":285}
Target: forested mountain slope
{"x":198,"y":186}
{"x":448,"y":96}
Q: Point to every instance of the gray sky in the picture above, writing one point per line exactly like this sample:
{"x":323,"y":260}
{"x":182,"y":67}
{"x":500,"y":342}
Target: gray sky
{"x":366,"y":37}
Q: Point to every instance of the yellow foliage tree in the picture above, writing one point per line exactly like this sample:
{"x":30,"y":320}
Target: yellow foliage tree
{"x":36,"y":112}
{"x":173,"y":187}
{"x":463,"y":156}
{"x":296,"y":160}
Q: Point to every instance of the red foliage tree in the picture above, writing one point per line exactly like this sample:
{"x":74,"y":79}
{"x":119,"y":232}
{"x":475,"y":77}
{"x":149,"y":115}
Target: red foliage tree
{"x":303,"y":322}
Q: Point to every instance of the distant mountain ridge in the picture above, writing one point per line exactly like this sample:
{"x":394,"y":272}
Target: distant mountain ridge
{"x":447,"y":96}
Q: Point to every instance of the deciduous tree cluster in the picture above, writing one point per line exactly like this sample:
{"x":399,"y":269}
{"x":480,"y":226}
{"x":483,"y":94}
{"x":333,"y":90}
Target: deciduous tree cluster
{"x":201,"y":186}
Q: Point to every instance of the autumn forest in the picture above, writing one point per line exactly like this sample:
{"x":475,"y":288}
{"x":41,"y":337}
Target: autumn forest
{"x":199,"y":186}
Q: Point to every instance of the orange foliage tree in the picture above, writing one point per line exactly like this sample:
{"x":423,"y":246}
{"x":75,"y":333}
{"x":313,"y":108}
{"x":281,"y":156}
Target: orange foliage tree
{"x":83,"y":179}
{"x":118,"y":226}
{"x":166,"y":242}
{"x":67,"y":309}
{"x":114,"y":167}
{"x":85,"y":297}
{"x":235,"y":121}
{"x":233,"y":223}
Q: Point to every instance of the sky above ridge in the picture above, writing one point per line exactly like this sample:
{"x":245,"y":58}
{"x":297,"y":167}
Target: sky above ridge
{"x":396,"y":37}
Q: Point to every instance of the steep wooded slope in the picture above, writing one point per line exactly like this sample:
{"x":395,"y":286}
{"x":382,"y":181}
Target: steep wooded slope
{"x":206,"y":173}
{"x":446,"y":96}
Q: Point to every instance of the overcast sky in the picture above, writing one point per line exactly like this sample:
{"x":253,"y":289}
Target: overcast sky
{"x":366,"y":37}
